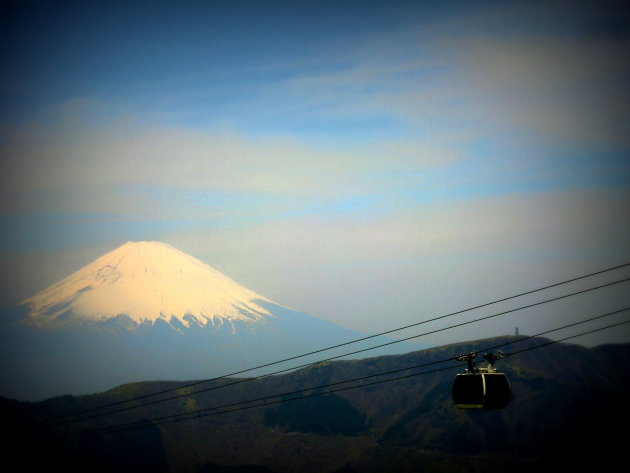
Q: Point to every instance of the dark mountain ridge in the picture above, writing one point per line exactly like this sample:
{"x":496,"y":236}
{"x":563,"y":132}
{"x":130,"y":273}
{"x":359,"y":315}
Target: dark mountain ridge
{"x":565,"y":400}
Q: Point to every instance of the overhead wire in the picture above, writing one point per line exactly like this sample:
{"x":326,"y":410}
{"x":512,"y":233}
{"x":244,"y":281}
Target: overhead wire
{"x":423,"y":365}
{"x":190,"y":415}
{"x":239,"y":381}
{"x":188,"y":385}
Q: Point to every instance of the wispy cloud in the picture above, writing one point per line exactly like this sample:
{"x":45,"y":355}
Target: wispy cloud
{"x":367,"y":158}
{"x":123,"y":157}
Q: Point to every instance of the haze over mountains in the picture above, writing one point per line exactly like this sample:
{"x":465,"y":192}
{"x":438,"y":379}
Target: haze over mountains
{"x":146,"y":311}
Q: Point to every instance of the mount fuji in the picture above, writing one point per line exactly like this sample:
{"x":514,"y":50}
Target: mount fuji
{"x":147,"y":311}
{"x":143,"y":283}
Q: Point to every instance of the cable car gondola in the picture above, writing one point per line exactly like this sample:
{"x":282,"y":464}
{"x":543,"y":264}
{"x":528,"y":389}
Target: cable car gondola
{"x":481,"y":388}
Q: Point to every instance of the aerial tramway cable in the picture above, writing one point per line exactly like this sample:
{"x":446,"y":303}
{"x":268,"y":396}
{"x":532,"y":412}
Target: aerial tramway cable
{"x":186,"y":394}
{"x":238,"y":406}
{"x":196,"y":383}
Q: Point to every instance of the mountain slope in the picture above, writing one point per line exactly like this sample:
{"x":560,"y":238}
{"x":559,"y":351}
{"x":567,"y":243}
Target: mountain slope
{"x":146,"y":282}
{"x":147,"y":311}
{"x":565,"y":400}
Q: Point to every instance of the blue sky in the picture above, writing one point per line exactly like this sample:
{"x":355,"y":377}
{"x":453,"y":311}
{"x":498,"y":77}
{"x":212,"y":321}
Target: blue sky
{"x":348,"y":159}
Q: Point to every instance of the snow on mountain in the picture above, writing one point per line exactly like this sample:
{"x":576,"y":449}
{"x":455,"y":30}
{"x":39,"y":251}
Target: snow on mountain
{"x":145,"y":281}
{"x":147,"y":311}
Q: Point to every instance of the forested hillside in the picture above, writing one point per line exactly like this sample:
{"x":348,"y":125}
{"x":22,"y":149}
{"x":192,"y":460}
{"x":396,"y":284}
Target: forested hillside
{"x":567,"y":403}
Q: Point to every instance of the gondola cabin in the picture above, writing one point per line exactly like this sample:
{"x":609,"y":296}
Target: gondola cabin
{"x":481,"y":391}
{"x":481,"y":388}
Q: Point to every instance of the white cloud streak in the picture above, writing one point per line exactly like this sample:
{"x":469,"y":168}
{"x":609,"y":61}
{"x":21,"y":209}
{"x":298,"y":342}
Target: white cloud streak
{"x":478,"y":122}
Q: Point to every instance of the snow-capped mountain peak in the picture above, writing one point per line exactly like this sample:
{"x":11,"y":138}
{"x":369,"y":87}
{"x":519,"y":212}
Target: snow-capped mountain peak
{"x":147,"y":311}
{"x":145,"y":281}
